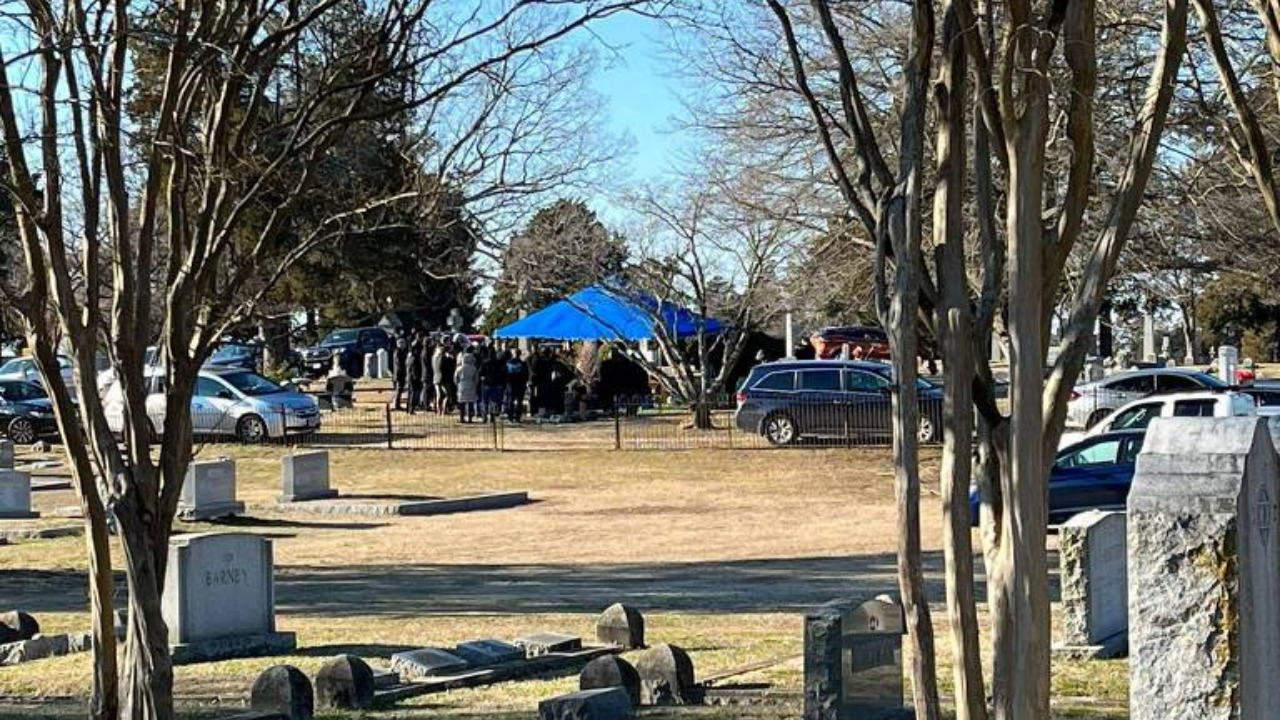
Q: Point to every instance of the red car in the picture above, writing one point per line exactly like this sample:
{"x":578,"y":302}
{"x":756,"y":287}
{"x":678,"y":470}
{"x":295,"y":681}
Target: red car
{"x":829,"y":342}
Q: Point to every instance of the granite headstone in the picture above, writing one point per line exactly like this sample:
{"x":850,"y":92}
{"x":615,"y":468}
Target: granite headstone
{"x":219,"y":597}
{"x":209,"y":491}
{"x":15,"y":495}
{"x":1095,"y":595}
{"x":611,"y":671}
{"x":488,"y":652}
{"x":1204,"y":579}
{"x":666,"y":676}
{"x":621,"y":625}
{"x":283,"y":690}
{"x":6,"y":454}
{"x":344,"y":682}
{"x":426,"y":662}
{"x":603,"y":704}
{"x":305,"y":476}
{"x":544,"y":643}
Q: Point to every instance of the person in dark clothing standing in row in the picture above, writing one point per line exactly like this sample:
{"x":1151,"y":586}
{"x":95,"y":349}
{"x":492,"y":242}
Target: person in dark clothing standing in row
{"x":399,"y":367}
{"x":493,"y":384}
{"x":415,"y":373}
{"x":440,"y":379}
{"x":428,"y":376}
{"x":540,"y":375}
{"x":517,"y":382}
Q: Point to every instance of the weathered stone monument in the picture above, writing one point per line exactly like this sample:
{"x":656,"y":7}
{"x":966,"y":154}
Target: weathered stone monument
{"x":6,"y":454}
{"x":666,"y":676}
{"x":283,"y":690}
{"x":1148,"y":337}
{"x":219,"y":598}
{"x":853,"y":661}
{"x":1095,"y":594}
{"x":621,"y":625}
{"x":345,"y":682}
{"x":478,"y":653}
{"x":209,"y":491}
{"x":15,"y":495}
{"x":426,"y":662}
{"x":611,"y":671}
{"x":1228,"y":359}
{"x":544,"y":643}
{"x":1204,"y":579}
{"x":305,"y":476}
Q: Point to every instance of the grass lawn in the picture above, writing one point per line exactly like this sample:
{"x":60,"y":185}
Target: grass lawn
{"x":721,"y":549}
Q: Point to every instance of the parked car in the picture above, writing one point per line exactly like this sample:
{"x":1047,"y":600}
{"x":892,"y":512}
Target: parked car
{"x":26,"y":413}
{"x":24,"y":368}
{"x":1092,"y":401}
{"x":1138,"y":414}
{"x":150,"y":365}
{"x":1267,"y":396}
{"x":230,"y":403}
{"x":349,"y":344}
{"x":787,"y":401}
{"x":1093,"y":474}
{"x":829,"y":342}
{"x":245,"y":356}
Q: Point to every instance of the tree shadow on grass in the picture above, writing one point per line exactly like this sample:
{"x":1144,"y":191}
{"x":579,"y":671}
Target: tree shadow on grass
{"x":739,"y":586}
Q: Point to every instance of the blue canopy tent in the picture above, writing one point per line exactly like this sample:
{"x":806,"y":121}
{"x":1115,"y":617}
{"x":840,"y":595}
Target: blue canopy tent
{"x":598,"y":313}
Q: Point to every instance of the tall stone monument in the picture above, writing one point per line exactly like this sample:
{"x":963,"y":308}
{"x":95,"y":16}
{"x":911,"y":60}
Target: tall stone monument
{"x":219,"y":598}
{"x":1148,"y":337}
{"x":1204,"y":579}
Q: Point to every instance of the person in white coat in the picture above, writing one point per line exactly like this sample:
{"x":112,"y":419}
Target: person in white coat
{"x":467,"y":379}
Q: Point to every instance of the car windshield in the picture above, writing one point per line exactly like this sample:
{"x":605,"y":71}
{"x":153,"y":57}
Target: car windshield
{"x":251,"y":383}
{"x":14,"y":367}
{"x":21,"y":391}
{"x":339,"y":337}
{"x":228,"y":352}
{"x":1212,"y":381}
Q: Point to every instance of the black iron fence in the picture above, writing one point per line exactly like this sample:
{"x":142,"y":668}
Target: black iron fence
{"x":631,"y":424}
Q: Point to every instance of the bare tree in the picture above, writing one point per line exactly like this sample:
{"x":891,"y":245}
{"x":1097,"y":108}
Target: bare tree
{"x":194,"y":218}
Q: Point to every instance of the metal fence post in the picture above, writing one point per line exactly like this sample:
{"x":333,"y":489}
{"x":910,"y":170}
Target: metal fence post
{"x":390,"y":435}
{"x":494,"y":424}
{"x":617,"y":428}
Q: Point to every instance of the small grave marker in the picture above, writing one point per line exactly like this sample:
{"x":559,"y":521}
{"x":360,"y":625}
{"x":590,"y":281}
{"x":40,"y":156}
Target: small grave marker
{"x":488,"y":652}
{"x":544,"y":643}
{"x":305,"y":476}
{"x":15,"y":495}
{"x":209,"y":491}
{"x":427,"y":662}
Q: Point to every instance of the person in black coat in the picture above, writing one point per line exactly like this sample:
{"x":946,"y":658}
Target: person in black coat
{"x":399,"y":367}
{"x":540,"y":379}
{"x":493,"y":383}
{"x":415,"y":373}
{"x":427,"y":401}
{"x":517,"y":381}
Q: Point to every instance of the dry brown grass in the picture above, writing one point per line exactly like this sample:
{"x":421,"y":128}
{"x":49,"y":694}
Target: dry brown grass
{"x":721,"y":549}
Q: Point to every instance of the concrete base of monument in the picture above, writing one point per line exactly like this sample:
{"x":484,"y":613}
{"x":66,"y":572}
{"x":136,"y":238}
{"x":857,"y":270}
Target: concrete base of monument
{"x":1116,"y":646}
{"x":211,"y":512}
{"x":383,"y":507}
{"x":309,"y":497}
{"x":243,"y":646}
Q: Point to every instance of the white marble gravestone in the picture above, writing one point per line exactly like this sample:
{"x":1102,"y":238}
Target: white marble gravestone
{"x":209,"y":490}
{"x":15,"y":495}
{"x":1148,"y":337}
{"x":305,"y":476}
{"x":1095,"y":593}
{"x":219,"y":598}
{"x":1204,"y":572}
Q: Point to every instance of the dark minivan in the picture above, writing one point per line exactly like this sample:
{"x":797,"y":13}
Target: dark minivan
{"x":790,"y":400}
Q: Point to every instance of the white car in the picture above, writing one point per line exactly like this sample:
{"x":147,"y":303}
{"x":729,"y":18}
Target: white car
{"x":1138,"y":414}
{"x":24,"y":368}
{"x":231,"y":402}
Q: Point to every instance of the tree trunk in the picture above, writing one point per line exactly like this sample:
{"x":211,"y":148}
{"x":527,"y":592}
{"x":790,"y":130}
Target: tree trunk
{"x":1020,"y":597}
{"x":104,"y":704}
{"x":954,"y":324}
{"x":148,"y":673}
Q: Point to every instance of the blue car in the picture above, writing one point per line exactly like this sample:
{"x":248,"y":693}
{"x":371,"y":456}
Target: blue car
{"x":1093,"y":474}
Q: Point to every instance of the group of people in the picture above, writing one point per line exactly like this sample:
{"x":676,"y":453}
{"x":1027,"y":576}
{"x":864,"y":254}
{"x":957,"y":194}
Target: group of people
{"x":479,"y":381}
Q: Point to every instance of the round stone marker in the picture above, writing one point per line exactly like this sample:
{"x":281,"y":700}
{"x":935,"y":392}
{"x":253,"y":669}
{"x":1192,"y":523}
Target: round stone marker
{"x":17,"y":625}
{"x":621,"y":625}
{"x":345,"y":682}
{"x":284,"y":690}
{"x":611,"y":671}
{"x":666,"y":676}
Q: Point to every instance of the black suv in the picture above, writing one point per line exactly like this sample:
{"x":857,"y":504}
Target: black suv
{"x":26,"y":413}
{"x":793,"y":399}
{"x":351,"y":345}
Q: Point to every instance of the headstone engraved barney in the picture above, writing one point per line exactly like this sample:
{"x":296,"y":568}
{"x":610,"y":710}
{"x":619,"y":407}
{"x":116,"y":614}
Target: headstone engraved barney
{"x":853,"y":661}
{"x":219,"y":598}
{"x":305,"y":476}
{"x":15,"y":495}
{"x":209,"y":490}
{"x":1204,"y":585}
{"x":1095,"y":595}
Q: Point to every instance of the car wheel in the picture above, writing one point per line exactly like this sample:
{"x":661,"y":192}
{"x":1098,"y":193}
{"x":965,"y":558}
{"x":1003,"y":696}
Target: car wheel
{"x":927,"y":429}
{"x":251,"y":430}
{"x":779,"y":429}
{"x":1096,"y":417}
{"x":22,"y":431}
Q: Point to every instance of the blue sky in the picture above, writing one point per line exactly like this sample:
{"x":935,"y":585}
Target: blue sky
{"x":641,"y":97}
